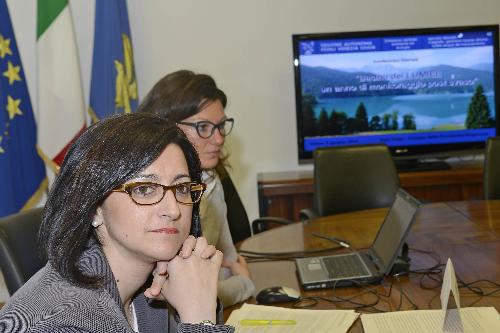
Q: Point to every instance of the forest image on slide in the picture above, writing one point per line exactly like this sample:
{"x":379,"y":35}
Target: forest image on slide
{"x":337,"y":122}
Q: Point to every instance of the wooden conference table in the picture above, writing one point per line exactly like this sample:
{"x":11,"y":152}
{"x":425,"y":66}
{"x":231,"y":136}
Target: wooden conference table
{"x":466,"y":232}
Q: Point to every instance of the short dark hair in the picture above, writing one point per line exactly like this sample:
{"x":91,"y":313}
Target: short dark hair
{"x":106,"y":155}
{"x":181,"y":94}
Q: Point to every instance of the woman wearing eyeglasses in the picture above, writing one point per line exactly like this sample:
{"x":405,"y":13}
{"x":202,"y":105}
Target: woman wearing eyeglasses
{"x":120,"y":205}
{"x":196,"y":105}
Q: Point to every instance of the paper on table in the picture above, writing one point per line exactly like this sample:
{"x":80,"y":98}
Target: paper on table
{"x":451,"y":321}
{"x":449,"y":285}
{"x":457,"y":320}
{"x":317,"y":321}
{"x":474,"y":320}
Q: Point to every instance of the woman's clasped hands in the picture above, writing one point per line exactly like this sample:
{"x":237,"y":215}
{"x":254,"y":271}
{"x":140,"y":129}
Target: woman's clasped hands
{"x":189,"y":281}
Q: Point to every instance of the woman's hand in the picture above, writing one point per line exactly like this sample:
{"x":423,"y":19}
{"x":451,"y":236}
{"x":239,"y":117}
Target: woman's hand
{"x":191,"y":284}
{"x":160,"y":274}
{"x":238,"y":267}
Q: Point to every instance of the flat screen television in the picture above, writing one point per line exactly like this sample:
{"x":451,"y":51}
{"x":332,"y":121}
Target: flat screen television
{"x":422,"y":92}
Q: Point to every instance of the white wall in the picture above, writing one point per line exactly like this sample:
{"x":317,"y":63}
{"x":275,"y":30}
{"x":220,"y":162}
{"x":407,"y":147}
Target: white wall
{"x":246,"y":46}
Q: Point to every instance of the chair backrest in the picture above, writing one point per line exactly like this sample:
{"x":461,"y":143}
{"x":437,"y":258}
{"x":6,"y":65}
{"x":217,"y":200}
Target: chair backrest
{"x":492,"y":169}
{"x":19,"y":256}
{"x":353,"y":178}
{"x":237,"y":217}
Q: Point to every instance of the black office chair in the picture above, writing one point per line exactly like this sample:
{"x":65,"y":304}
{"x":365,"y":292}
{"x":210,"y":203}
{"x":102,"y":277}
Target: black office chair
{"x":237,"y":217}
{"x":19,"y":258}
{"x":492,"y":169}
{"x":352,"y":178}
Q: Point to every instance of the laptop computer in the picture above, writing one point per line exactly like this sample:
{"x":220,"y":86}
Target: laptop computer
{"x":367,"y":266}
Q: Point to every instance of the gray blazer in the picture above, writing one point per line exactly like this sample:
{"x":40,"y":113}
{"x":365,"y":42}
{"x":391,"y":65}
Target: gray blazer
{"x":50,"y":303}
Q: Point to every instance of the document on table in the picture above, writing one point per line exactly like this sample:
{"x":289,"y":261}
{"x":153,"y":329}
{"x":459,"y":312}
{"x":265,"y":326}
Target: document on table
{"x":474,"y":320}
{"x":451,"y":320}
{"x":317,"y":321}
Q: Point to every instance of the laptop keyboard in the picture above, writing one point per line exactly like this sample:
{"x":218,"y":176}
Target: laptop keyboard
{"x":344,"y":266}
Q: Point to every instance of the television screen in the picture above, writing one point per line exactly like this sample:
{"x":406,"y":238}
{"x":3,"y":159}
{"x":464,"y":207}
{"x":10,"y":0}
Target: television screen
{"x":420,"y":92}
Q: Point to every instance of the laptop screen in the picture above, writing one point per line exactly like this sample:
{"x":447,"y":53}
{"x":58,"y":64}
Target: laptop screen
{"x":392,"y":233}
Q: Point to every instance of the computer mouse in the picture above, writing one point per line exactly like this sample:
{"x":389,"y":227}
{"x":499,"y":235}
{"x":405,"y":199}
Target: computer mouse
{"x":277,"y":295}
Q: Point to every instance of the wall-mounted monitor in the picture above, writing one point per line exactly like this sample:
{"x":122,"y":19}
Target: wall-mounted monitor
{"x":422,"y":92}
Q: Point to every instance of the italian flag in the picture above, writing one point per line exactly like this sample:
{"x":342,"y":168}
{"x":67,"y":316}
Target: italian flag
{"x":61,"y":107}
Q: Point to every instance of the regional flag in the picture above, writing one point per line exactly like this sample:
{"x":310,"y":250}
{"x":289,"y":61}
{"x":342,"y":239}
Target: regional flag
{"x":113,"y":86}
{"x":22,"y":173}
{"x":61,"y":107}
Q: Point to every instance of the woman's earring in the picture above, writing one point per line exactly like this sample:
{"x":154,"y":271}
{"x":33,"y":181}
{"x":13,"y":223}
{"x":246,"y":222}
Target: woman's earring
{"x":96,"y":223}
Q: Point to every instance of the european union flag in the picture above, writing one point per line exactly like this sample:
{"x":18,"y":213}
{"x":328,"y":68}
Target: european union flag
{"x":22,"y":172}
{"x":113,"y":87}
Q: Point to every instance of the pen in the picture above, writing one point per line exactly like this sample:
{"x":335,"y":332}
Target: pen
{"x":333,"y":239}
{"x":267,"y":322}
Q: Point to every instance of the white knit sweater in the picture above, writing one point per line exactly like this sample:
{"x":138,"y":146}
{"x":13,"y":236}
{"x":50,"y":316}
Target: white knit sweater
{"x":215,"y":227}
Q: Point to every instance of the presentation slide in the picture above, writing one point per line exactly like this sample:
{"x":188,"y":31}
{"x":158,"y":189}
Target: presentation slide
{"x":419,"y":89}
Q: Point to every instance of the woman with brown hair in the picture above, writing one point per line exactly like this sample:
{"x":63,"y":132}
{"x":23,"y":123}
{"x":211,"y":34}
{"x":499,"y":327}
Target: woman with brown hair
{"x":196,"y":105}
{"x":121,"y":206}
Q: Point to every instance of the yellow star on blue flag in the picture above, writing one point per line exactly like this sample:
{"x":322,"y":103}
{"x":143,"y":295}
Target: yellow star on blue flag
{"x":12,"y":73}
{"x":4,"y":47}
{"x":113,"y":87}
{"x":22,"y":172}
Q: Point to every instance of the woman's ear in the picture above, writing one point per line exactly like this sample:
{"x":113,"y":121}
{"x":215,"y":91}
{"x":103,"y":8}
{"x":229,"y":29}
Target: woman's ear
{"x":98,"y":218}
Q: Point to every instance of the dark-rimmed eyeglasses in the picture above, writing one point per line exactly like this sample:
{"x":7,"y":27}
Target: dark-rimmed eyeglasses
{"x":147,"y":193}
{"x":206,"y":129}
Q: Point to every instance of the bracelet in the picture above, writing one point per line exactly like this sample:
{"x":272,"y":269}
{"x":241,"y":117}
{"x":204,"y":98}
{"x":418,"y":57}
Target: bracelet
{"x":207,"y":323}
